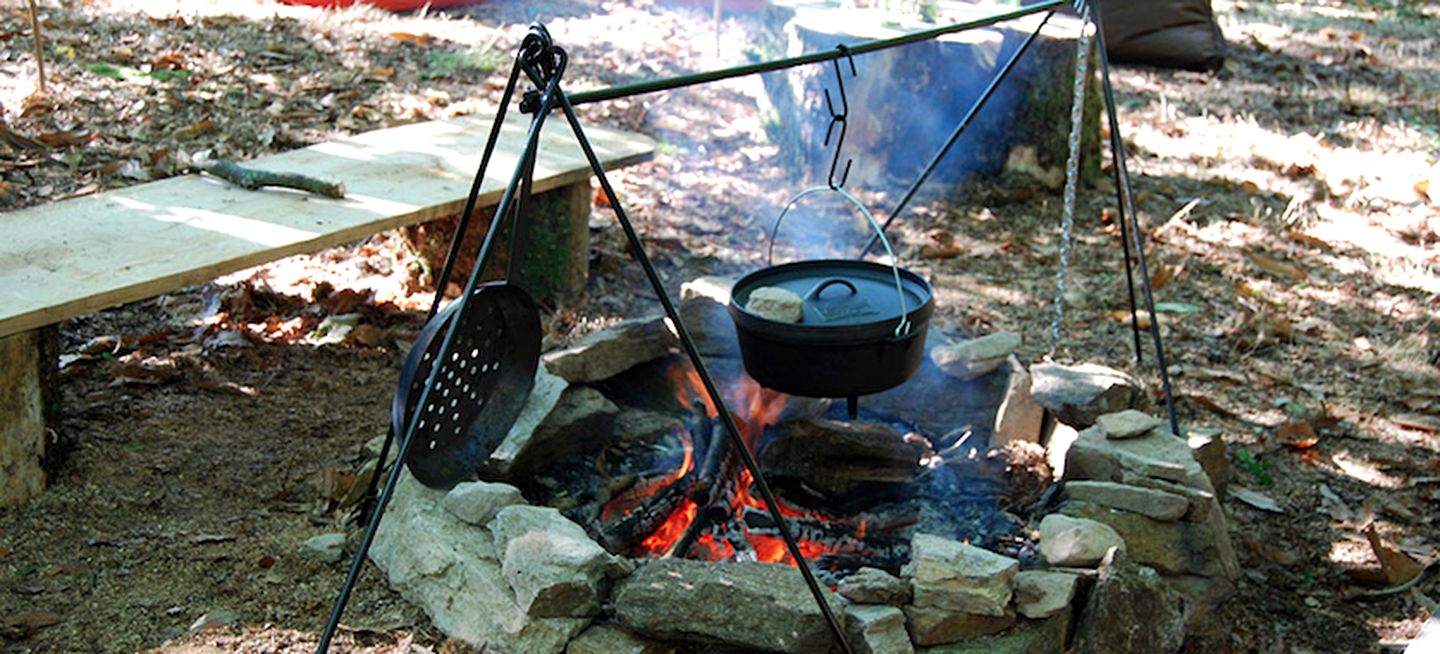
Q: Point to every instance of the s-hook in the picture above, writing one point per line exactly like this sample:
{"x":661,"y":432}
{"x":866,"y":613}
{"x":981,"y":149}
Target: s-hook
{"x":839,"y":118}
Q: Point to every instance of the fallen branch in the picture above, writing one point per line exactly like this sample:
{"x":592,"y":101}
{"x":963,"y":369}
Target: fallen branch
{"x":252,"y":178}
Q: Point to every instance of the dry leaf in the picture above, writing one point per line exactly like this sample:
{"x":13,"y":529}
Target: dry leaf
{"x":66,"y":139}
{"x":1142,"y":317}
{"x":1278,"y":268}
{"x":1164,"y":275}
{"x":939,"y":251}
{"x":1299,"y":434}
{"x":1255,"y":499}
{"x":1417,"y":421}
{"x":20,"y":626}
{"x":1306,"y":239}
{"x":406,"y":37}
{"x":333,"y":484}
{"x":1396,"y":567}
{"x":204,"y":126}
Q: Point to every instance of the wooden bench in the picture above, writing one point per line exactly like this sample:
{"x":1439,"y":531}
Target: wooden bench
{"x":69,"y":258}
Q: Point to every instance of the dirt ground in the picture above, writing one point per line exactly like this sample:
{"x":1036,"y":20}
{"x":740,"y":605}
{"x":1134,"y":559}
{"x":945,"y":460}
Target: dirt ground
{"x":1290,"y":205}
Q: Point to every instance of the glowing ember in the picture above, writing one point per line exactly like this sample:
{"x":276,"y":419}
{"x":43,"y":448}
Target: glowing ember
{"x":672,"y":529}
{"x":636,"y":495}
{"x":761,"y":408}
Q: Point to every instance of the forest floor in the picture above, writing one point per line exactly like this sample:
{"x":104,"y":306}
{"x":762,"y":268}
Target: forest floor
{"x":1291,"y":211}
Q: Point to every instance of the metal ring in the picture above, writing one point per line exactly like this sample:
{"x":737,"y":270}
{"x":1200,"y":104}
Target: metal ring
{"x":901,"y":328}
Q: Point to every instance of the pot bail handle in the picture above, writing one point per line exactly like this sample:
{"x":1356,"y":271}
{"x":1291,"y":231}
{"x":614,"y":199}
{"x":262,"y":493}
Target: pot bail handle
{"x":902,"y":327}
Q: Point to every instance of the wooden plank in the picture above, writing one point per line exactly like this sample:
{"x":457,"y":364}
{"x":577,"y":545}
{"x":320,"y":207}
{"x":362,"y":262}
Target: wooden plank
{"x":74,"y":257}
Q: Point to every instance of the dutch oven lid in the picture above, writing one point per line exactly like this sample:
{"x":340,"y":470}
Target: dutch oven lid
{"x":839,"y":292}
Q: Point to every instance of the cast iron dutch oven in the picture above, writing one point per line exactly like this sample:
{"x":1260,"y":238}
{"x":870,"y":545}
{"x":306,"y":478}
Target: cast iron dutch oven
{"x":862,"y":330}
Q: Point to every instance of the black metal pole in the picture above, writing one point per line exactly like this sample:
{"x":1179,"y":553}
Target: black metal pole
{"x":957,"y":132}
{"x":532,"y":142}
{"x":454,"y":253}
{"x":1127,"y":203}
{"x":654,"y":86}
{"x":637,"y":249}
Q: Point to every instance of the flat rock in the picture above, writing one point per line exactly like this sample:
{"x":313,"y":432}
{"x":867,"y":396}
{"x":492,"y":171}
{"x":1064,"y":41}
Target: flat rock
{"x":477,"y":502}
{"x":1180,"y":547}
{"x":952,"y":576}
{"x":1068,"y":541}
{"x":1209,"y":452}
{"x":450,"y":570}
{"x":1131,"y":609}
{"x":1158,"y":454}
{"x":1126,"y":424}
{"x":1149,"y":502}
{"x":704,"y":303}
{"x":971,"y":358}
{"x":939,"y":626}
{"x":1020,"y":417}
{"x":554,"y":567}
{"x":1046,"y":636}
{"x":876,"y":629}
{"x":1041,"y":593}
{"x":756,"y":605}
{"x":612,"y":639}
{"x":544,"y":395}
{"x":875,"y":586}
{"x":581,"y":419}
{"x":611,"y":351}
{"x":1078,"y":395}
{"x":775,"y":303}
{"x":327,"y":548}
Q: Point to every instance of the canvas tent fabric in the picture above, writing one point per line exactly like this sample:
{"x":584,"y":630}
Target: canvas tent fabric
{"x":1166,"y":33}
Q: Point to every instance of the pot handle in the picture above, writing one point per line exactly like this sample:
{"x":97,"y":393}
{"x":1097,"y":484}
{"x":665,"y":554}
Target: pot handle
{"x":902,"y":327}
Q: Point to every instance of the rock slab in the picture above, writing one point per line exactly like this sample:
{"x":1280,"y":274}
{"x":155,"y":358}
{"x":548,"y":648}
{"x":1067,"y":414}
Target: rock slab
{"x":1020,"y":417}
{"x":939,"y":626}
{"x":951,"y":576}
{"x":610,"y":639}
{"x":1041,"y":594}
{"x":450,"y":570}
{"x":876,"y":629}
{"x":1150,"y":502}
{"x":554,"y":567}
{"x":326,"y":548}
{"x":756,"y":605}
{"x":1067,"y":541}
{"x":1126,"y":424}
{"x":611,"y":351}
{"x":477,"y":502}
{"x":875,"y":586}
{"x":1131,"y":609}
{"x":1079,"y":395}
{"x":966,"y":360}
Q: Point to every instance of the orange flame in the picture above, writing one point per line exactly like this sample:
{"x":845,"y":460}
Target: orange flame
{"x":672,"y":529}
{"x":636,"y":495}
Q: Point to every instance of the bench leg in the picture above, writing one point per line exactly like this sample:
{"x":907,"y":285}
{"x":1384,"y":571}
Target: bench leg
{"x":557,"y":251}
{"x":27,"y":399}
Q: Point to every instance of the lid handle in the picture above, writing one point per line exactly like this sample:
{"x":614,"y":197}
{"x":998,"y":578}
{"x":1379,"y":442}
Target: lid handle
{"x":902,"y":327}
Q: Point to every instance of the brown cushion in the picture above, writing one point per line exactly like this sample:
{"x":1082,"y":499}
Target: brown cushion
{"x":1168,"y":33}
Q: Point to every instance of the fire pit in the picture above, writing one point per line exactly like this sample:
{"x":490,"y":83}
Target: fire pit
{"x":615,"y":513}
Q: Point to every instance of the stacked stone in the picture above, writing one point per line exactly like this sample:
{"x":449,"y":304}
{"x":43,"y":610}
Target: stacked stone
{"x":1131,"y":473}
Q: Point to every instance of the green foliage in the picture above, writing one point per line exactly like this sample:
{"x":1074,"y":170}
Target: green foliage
{"x":128,"y":74}
{"x":478,"y":62}
{"x":1260,"y":469}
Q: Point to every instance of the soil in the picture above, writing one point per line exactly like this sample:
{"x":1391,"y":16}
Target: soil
{"x":1289,"y":205}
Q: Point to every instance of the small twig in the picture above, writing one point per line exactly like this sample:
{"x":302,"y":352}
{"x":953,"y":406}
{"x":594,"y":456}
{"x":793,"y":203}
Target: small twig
{"x":252,"y":179}
{"x":39,"y":47}
{"x":1398,"y":588}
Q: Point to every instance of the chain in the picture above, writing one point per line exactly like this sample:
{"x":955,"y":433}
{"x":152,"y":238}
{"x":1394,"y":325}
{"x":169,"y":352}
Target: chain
{"x":1072,"y":172}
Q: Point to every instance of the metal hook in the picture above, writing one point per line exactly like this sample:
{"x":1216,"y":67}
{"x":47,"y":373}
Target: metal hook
{"x":839,"y":118}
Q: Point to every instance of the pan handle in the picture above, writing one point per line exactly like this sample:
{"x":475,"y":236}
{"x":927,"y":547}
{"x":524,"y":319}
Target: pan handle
{"x":901,"y":328}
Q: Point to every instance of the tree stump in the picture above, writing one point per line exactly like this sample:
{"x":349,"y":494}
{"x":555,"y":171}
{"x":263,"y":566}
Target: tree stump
{"x":27,"y":412}
{"x":905,"y":102}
